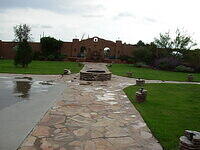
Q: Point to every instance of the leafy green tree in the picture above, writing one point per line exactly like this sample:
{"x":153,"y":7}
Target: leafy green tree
{"x":51,"y":48}
{"x":22,"y":32}
{"x":150,"y":53}
{"x":140,"y":44}
{"x":23,"y":50}
{"x":164,"y":41}
{"x":23,"y":54}
{"x":182,"y":41}
{"x":192,"y":58}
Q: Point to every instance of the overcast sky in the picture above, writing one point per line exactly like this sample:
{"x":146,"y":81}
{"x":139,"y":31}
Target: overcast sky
{"x":127,"y":20}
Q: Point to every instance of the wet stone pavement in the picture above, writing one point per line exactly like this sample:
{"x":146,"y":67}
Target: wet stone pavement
{"x":92,"y":116}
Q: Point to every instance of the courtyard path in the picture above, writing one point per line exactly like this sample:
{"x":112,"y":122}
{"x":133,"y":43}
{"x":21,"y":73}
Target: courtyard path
{"x":92,"y":116}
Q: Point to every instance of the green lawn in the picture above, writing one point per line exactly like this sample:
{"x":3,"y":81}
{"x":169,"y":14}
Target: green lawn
{"x":169,"y":110}
{"x":39,"y":67}
{"x":150,"y":74}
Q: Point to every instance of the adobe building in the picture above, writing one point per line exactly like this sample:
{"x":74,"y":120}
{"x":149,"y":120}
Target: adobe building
{"x":91,"y":49}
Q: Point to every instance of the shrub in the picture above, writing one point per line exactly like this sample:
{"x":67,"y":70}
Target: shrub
{"x":143,"y":54}
{"x":38,"y":56}
{"x":112,"y":57}
{"x":167,"y":63}
{"x":61,"y":56}
{"x":51,"y":57}
{"x":192,"y":59}
{"x":141,"y":64}
{"x":182,"y":68}
{"x":128,"y":59}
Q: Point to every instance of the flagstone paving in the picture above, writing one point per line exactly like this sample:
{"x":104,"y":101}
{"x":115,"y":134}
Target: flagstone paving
{"x":92,"y":116}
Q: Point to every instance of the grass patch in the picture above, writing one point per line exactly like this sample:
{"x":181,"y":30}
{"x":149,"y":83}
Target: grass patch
{"x":150,"y":74}
{"x":39,"y":67}
{"x":169,"y":110}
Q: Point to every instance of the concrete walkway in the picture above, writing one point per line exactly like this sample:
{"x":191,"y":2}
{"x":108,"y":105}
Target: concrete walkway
{"x":17,"y":119}
{"x":92,"y":116}
{"x":97,"y":116}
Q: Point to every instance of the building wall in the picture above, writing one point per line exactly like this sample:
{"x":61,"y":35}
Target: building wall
{"x":94,"y":47}
{"x":66,"y":48}
{"x":7,"y":49}
{"x":1,"y":48}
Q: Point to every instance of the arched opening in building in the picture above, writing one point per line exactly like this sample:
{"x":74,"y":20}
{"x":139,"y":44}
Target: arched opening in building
{"x":83,"y":52}
{"x":106,"y":52}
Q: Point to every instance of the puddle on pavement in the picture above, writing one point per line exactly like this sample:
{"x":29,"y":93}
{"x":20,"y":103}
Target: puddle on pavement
{"x":46,"y":83}
{"x":22,"y":88}
{"x":117,"y":112}
{"x":28,"y":78}
{"x":108,"y":98}
{"x":26,"y":85}
{"x":16,"y":89}
{"x":112,"y":102}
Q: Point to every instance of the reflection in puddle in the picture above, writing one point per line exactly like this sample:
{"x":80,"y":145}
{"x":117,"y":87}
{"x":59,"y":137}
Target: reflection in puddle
{"x":18,"y":89}
{"x":22,"y":88}
{"x":28,"y":78}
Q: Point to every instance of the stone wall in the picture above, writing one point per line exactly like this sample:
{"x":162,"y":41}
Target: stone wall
{"x":91,"y":76}
{"x":7,"y":49}
{"x":73,"y":49}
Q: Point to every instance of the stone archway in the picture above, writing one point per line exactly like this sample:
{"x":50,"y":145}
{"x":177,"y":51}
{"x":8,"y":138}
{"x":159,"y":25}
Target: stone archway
{"x":97,"y":49}
{"x":107,"y":51}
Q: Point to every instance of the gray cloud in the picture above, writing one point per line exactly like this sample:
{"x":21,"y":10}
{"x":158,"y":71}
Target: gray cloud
{"x":60,"y":6}
{"x":85,"y":8}
{"x":124,"y":15}
{"x":41,"y":26}
{"x":92,"y":16}
{"x":46,"y":26}
{"x":48,"y":4}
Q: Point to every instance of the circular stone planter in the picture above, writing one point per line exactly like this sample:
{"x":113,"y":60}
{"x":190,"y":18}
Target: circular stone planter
{"x":95,"y":75}
{"x":141,"y":95}
{"x":140,"y":82}
{"x":190,"y":78}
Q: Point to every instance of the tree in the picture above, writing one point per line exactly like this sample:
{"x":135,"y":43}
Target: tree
{"x":22,"y":32}
{"x":51,"y":48}
{"x":164,"y":41}
{"x":23,"y":54}
{"x":140,"y":44}
{"x":182,"y":41}
{"x":192,"y":58}
{"x":23,"y":50}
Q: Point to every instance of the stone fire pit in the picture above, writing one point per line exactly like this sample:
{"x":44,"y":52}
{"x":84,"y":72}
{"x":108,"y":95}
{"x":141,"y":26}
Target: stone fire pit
{"x":95,"y":74}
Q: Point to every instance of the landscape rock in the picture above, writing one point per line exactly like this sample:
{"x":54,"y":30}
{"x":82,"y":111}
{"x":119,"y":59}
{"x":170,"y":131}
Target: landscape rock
{"x":191,"y":140}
